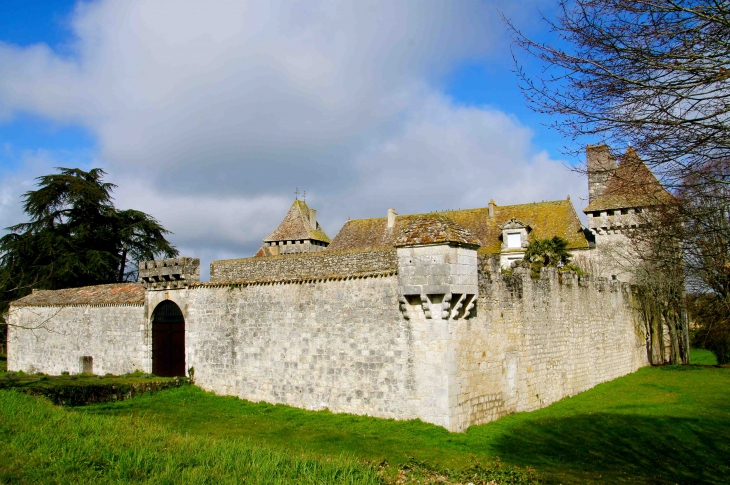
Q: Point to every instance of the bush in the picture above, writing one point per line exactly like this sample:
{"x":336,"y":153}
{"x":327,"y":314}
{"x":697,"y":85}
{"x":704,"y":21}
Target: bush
{"x":709,"y":313}
{"x":716,"y":339}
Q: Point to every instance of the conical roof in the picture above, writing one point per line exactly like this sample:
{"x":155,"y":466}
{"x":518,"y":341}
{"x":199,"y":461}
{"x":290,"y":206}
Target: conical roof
{"x":435,"y":229}
{"x":631,"y":185}
{"x":297,"y":226}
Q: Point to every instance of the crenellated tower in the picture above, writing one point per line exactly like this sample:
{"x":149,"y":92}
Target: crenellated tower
{"x":621,"y":199}
{"x":298,"y":232}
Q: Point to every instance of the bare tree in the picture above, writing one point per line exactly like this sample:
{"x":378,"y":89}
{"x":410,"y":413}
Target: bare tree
{"x":652,"y":74}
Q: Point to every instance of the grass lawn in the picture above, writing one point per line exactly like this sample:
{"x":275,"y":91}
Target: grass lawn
{"x":658,"y":425}
{"x":702,"y":357}
{"x":46,"y":444}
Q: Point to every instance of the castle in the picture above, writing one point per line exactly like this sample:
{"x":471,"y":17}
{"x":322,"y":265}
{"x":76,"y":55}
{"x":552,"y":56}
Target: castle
{"x":402,"y":316}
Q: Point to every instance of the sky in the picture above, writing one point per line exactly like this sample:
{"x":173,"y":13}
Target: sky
{"x":209,"y":114}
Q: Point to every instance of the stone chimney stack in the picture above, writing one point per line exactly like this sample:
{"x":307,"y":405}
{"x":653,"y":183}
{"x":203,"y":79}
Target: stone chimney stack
{"x":491,"y":209}
{"x":600,"y":166}
{"x":313,"y":218}
{"x":391,"y":218}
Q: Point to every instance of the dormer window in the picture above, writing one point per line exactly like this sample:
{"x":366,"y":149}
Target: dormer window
{"x":514,"y":240}
{"x":514,"y":234}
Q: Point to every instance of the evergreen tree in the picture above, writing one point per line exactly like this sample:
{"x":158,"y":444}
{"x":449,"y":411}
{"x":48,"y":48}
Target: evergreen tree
{"x":75,"y":237}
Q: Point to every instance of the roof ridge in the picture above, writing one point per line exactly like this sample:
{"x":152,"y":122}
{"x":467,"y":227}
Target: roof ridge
{"x":486,"y":208}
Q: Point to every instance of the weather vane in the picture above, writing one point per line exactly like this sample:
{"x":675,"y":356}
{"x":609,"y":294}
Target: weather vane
{"x":304,"y":197}
{"x":296,"y":194}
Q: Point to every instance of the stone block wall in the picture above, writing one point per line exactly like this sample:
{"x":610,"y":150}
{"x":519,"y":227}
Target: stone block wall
{"x":336,"y":344}
{"x":437,"y":269}
{"x":534,"y":342}
{"x":56,"y":339}
{"x":300,"y":267}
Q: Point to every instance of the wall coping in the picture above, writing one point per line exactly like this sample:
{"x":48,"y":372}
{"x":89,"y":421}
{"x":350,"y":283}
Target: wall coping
{"x":305,"y":279}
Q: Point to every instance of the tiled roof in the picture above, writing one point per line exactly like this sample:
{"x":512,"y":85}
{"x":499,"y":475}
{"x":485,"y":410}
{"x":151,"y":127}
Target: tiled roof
{"x":435,"y":228}
{"x":631,"y":185}
{"x":547,"y":219}
{"x":296,"y":226}
{"x":112,"y":294}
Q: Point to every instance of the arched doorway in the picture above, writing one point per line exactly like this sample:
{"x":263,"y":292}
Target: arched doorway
{"x":168,"y":340}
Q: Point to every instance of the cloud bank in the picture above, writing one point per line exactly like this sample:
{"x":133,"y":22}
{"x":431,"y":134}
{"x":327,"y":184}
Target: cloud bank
{"x":209,"y":114}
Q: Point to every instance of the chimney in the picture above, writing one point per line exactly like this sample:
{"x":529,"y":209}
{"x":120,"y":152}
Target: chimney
{"x":313,"y":218}
{"x":391,"y":218}
{"x":601,"y":165}
{"x":491,"y":209}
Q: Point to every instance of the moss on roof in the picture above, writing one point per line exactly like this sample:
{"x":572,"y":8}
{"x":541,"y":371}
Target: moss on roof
{"x":111,"y":294}
{"x":296,"y":225}
{"x":631,"y":185}
{"x":546,"y":219}
{"x":435,"y":228}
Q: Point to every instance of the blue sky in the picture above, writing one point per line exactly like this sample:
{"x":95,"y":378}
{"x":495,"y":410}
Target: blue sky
{"x":208,"y":114}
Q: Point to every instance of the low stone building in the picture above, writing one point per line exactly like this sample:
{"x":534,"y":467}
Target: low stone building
{"x":398,"y":317}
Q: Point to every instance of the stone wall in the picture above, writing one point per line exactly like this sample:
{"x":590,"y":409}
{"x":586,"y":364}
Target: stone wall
{"x":336,"y":344}
{"x":359,"y":344}
{"x":343,"y":345}
{"x":300,"y":267}
{"x":534,"y":342}
{"x":56,"y":339}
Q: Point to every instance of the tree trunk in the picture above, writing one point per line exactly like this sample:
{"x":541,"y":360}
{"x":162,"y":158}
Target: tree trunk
{"x":123,"y":264}
{"x":674,"y":354}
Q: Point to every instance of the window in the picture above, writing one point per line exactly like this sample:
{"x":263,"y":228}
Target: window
{"x":514,"y":240}
{"x":624,"y":212}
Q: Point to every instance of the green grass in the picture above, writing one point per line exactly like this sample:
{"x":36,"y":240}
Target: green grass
{"x":702,"y":357}
{"x":22,"y":380}
{"x":42,"y":443}
{"x":658,"y":425}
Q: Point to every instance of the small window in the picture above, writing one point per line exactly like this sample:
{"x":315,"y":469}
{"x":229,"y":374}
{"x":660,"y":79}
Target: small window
{"x":638,"y":210}
{"x":514,"y":240}
{"x":610,"y":213}
{"x":624,"y":212}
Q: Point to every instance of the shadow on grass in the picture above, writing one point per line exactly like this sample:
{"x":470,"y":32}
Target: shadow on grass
{"x":624,"y":447}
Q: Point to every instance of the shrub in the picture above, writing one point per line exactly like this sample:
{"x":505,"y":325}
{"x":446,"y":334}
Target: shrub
{"x":542,"y":253}
{"x":709,"y":313}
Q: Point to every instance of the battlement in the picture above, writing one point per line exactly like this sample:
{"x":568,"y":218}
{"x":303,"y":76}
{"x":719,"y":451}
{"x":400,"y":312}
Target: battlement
{"x":171,"y":273}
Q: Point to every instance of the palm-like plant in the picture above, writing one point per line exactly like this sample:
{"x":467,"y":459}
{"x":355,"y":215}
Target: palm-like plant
{"x":542,"y":253}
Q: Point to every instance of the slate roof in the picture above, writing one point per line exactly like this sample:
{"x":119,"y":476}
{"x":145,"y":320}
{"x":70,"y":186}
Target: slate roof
{"x":546,"y":219}
{"x":111,"y":294}
{"x":296,"y":226}
{"x":435,"y":228}
{"x":631,"y":185}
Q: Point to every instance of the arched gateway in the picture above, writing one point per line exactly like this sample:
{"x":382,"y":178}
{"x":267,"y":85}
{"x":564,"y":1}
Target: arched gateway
{"x":168,"y":340}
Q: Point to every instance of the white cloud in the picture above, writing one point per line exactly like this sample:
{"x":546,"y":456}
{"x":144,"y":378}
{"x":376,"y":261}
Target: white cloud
{"x":208,"y":114}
